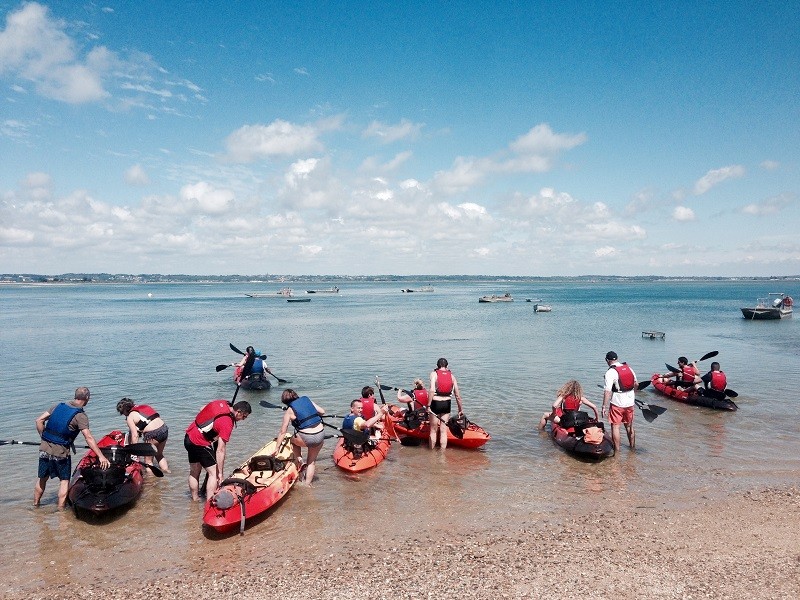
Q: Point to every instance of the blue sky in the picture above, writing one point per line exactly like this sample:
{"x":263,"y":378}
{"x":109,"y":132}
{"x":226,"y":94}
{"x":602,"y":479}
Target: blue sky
{"x":519,"y":138}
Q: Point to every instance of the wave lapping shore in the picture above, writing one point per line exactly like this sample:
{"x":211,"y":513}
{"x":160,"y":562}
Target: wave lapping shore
{"x":742,"y":547}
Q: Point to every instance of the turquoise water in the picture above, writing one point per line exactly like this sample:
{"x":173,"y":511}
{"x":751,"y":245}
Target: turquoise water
{"x":159,"y":344}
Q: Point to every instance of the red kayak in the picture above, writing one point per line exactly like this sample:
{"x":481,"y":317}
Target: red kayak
{"x":693,"y":397}
{"x":99,"y":491}
{"x":474,"y":436}
{"x":253,"y":488}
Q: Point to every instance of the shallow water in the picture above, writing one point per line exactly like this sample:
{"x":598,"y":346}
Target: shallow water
{"x":162,"y":349}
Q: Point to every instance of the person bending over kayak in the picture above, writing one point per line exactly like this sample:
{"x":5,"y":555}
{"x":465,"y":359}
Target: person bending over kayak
{"x":715,"y":382}
{"x":569,"y":397}
{"x":686,"y":376}
{"x":443,"y":387}
{"x":144,"y":421}
{"x":306,"y":418}
{"x":619,"y":398}
{"x":418,"y":398}
{"x":212,"y":427}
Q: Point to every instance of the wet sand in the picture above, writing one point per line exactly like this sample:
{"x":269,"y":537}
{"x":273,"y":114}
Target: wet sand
{"x":745,"y":546}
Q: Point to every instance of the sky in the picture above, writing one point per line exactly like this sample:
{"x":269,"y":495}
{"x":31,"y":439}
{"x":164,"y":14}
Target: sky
{"x":366,"y":138}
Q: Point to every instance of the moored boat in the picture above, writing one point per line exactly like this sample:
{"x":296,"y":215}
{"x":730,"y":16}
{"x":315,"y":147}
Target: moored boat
{"x":693,"y":397}
{"x":770,"y":309}
{"x":354,"y":457}
{"x":254,"y":487}
{"x":416,"y":426}
{"x":101,"y":491}
{"x":412,"y":290}
{"x":542,"y":308}
{"x":333,"y":290}
{"x":580,"y":440}
{"x":298,"y":299}
{"x":283,"y":293}
{"x":495,"y":298}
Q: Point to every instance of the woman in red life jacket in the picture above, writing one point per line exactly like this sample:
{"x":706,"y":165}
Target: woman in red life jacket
{"x":569,"y":397}
{"x":418,"y":398}
{"x":144,"y":421}
{"x":443,"y":387}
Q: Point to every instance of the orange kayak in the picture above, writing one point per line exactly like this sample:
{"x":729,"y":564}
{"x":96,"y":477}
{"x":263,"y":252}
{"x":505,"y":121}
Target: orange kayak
{"x":354,"y":459}
{"x":474,"y":435}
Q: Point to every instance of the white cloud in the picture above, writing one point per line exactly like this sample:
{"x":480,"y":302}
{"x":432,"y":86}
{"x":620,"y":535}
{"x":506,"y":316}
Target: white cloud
{"x":391,"y":133}
{"x":605,"y":251}
{"x":136,"y":175}
{"x":770,"y":165}
{"x":279,"y":138}
{"x":541,"y":140}
{"x":208,"y":199}
{"x":769,"y":206}
{"x":717,"y":176}
{"x":683,"y":213}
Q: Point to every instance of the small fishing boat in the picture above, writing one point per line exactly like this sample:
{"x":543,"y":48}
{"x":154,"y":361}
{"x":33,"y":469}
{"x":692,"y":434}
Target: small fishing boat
{"x":284,"y":293}
{"x":415,"y":424}
{"x":495,"y":298}
{"x":542,"y":308}
{"x":693,"y":397}
{"x":333,"y":290}
{"x":254,"y":487}
{"x":355,"y":454}
{"x":770,"y":309}
{"x":412,"y":290}
{"x":582,"y":436}
{"x":99,"y":491}
{"x":298,"y":299}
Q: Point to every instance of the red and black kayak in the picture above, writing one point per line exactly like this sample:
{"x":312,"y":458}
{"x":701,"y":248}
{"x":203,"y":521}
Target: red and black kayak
{"x":582,"y":436}
{"x":99,"y":491}
{"x":410,"y":424}
{"x":693,"y":397}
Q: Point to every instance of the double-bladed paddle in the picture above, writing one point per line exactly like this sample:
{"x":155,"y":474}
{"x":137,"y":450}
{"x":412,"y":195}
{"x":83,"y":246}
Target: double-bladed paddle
{"x":650,"y":412}
{"x":262,"y":357}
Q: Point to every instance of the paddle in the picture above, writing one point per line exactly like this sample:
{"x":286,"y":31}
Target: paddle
{"x":142,"y":449}
{"x":263,"y":357}
{"x":266,"y":404}
{"x":650,"y":412}
{"x":222,"y":367}
{"x":388,"y":422}
{"x":730,"y":393}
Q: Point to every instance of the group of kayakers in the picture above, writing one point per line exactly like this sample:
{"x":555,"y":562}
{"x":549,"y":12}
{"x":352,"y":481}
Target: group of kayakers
{"x":207,"y":436}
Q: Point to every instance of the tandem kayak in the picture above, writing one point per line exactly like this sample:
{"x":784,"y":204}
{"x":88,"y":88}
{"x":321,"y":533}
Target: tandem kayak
{"x":100,"y":491}
{"x":474,"y":436}
{"x":253,"y":488}
{"x":575,"y":441}
{"x":355,"y":458}
{"x":257,"y":381}
{"x":695,"y":397}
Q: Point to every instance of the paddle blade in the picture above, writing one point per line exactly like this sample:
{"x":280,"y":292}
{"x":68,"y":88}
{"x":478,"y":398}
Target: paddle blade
{"x":730,"y":393}
{"x":383,"y":386}
{"x":407,"y":440}
{"x":649,"y":415}
{"x":643,"y":385}
{"x":671,"y":368}
{"x":711,"y":354}
{"x":266,"y":404}
{"x":659,"y":410}
{"x":141,"y":449}
{"x":235,"y":349}
{"x":155,"y":470}
{"x":222,"y":367}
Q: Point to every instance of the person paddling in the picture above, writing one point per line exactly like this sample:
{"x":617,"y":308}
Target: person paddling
{"x":715,"y":382}
{"x":686,"y":376}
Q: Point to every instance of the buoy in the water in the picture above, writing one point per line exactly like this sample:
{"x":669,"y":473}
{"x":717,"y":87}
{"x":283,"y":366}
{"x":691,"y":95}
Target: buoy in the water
{"x":150,"y":295}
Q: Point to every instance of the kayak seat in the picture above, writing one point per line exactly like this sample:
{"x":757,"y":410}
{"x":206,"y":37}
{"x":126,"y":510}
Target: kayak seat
{"x":574,"y":418}
{"x":413,"y":419}
{"x":266,"y":463}
{"x":98,"y":479}
{"x":247,"y":487}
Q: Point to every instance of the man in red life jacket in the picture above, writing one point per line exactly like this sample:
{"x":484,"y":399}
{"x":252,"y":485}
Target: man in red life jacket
{"x":618,"y":398}
{"x":211,"y":428}
{"x":715,"y":382}
{"x":687,"y":374}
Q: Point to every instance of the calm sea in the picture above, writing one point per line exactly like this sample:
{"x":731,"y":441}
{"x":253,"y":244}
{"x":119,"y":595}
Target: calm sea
{"x":159,"y":344}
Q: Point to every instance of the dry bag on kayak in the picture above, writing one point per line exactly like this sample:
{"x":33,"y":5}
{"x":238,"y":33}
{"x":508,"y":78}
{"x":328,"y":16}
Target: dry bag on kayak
{"x":458,"y":425}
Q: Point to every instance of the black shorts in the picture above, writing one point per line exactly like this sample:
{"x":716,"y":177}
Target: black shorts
{"x":440,"y":407}
{"x":205,"y":455}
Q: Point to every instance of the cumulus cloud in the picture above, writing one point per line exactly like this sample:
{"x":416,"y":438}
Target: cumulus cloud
{"x":136,"y":175}
{"x":391,"y":133}
{"x":717,"y":176}
{"x":683,"y":213}
{"x":541,"y":140}
{"x":208,"y":198}
{"x":770,"y":165}
{"x":605,"y":251}
{"x":280,"y":138}
{"x":769,"y":206}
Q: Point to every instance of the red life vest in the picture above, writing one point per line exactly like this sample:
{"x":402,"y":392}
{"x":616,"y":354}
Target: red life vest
{"x":444,"y":382}
{"x":718,"y":381}
{"x":420,"y":397}
{"x":625,"y":377}
{"x":211,"y":412}
{"x":570,"y":403}
{"x":687,"y":373}
{"x":146,"y":413}
{"x":368,"y":405}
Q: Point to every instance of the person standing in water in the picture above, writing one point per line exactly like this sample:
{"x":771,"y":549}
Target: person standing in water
{"x":443,"y":387}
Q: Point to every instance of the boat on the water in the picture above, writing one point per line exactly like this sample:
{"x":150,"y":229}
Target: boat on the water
{"x":97,"y":491}
{"x":354,"y":453}
{"x":693,"y":397}
{"x":298,"y":299}
{"x":582,"y":436}
{"x":254,"y":487}
{"x":495,"y":298}
{"x":542,"y":308}
{"x":415,"y":424}
{"x":283,"y":293}
{"x":333,"y":290}
{"x":770,"y":309}
{"x":412,"y":290}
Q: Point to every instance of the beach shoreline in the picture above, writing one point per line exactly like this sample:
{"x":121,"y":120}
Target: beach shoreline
{"x":745,"y":546}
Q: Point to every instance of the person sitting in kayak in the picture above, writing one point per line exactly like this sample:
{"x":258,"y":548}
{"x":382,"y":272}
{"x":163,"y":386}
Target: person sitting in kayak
{"x":443,"y":387}
{"x":417,"y":398}
{"x":144,"y":421}
{"x":252,"y":364}
{"x":715,"y":382}
{"x":686,"y":375}
{"x":357,"y":421}
{"x":569,"y":398}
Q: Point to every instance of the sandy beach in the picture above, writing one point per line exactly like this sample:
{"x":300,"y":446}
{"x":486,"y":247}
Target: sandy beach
{"x":745,"y":546}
